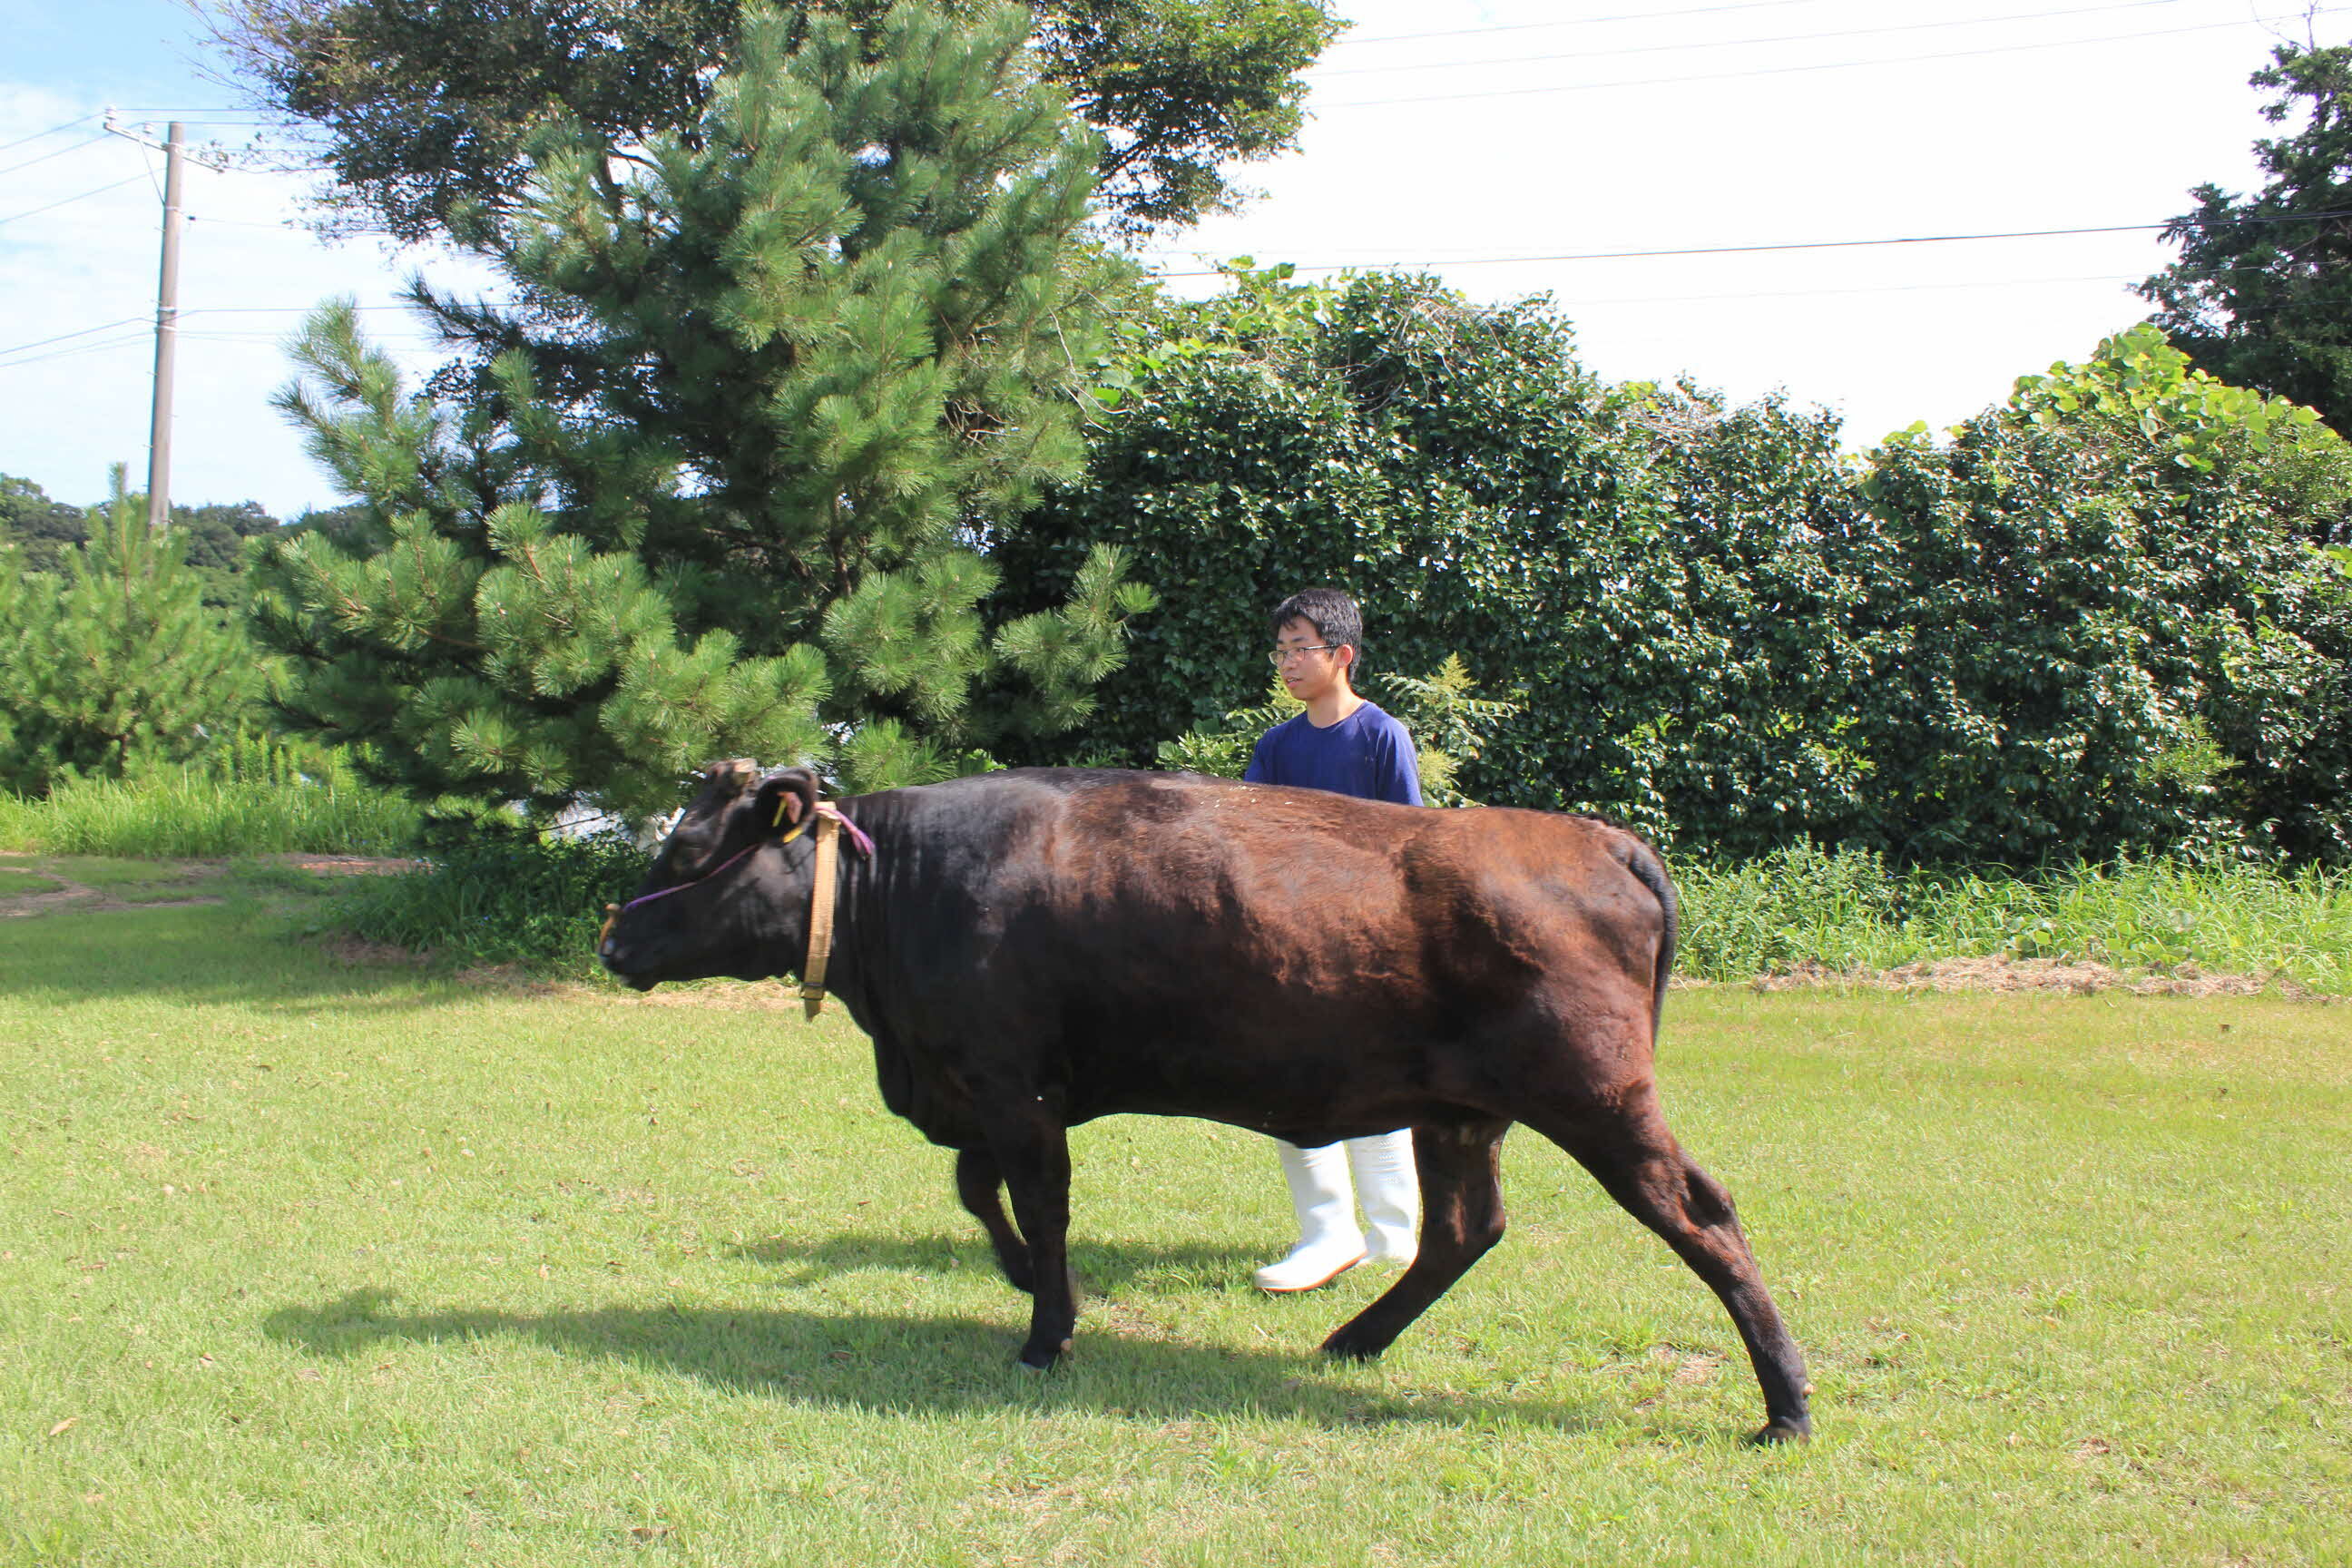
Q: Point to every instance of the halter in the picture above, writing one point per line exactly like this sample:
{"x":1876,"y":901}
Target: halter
{"x":830,"y":820}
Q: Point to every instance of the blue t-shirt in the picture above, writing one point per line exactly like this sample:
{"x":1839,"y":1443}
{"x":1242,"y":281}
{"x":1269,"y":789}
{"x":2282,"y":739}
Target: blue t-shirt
{"x":1367,"y":755}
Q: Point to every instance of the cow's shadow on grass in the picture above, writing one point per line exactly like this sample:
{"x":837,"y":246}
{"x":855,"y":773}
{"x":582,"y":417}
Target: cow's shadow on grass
{"x":918,"y":1364}
{"x":1125,"y":1269}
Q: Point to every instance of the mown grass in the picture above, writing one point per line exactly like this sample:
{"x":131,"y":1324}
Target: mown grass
{"x":309,"y":1264}
{"x":188,"y":812}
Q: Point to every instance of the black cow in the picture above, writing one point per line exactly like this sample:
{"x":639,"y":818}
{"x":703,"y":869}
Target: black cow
{"x":1031,"y":950}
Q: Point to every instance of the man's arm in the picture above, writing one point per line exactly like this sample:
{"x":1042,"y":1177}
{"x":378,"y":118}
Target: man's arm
{"x":1398,"y":770}
{"x":1260,"y":770}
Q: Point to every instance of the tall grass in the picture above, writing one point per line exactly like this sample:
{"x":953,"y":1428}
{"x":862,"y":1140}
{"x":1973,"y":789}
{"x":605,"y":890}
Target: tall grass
{"x":499,"y":899}
{"x":1847,"y":911}
{"x":250,"y":795}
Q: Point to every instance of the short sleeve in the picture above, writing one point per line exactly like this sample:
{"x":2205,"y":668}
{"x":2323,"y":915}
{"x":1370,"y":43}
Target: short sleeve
{"x":1398,"y":770}
{"x":1259,"y":771}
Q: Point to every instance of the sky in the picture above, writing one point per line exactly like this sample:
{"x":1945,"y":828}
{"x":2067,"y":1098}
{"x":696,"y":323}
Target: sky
{"x":1515,"y":147}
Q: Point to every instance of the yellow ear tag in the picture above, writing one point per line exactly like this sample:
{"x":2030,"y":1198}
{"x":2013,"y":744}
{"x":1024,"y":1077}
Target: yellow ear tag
{"x":798,"y":828}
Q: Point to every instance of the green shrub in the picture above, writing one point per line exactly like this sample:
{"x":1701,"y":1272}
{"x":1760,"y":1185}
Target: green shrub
{"x":2087,"y":623}
{"x":498,"y":899}
{"x":1847,"y":911}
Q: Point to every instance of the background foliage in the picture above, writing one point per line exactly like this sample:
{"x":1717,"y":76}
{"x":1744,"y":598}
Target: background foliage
{"x":2088,"y":621}
{"x":725,"y":492}
{"x":429,"y":113}
{"x":115,"y":663}
{"x":2262,"y":293}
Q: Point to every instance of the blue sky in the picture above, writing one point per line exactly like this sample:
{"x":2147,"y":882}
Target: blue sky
{"x":1505,"y":143}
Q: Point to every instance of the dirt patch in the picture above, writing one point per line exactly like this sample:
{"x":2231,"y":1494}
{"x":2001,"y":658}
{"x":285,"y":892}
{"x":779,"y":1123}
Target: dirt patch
{"x":360,"y":955}
{"x":347,"y":865}
{"x":2060,"y":976}
{"x":68,"y":894}
{"x":165,"y":888}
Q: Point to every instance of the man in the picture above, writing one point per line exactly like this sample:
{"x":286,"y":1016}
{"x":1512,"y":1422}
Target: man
{"x":1348,"y":745}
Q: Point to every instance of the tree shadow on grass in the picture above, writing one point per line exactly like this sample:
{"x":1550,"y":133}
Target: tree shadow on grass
{"x":203,"y":954}
{"x":913,"y":1364}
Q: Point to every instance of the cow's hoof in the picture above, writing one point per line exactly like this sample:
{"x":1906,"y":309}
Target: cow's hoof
{"x":1343,"y":1346}
{"x":1785,"y":1430}
{"x":1042,"y":1361}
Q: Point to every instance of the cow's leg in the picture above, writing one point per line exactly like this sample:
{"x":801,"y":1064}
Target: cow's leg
{"x":977,"y":1183}
{"x":1634,"y":1155}
{"x":1032,"y":1151}
{"x":1461,"y":1218}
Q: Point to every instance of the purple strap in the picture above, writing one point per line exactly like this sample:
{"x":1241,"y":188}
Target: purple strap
{"x":823,"y":808}
{"x":856,"y":834}
{"x":680,"y":888}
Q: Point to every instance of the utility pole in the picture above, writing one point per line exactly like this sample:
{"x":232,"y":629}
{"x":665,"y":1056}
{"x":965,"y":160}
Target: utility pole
{"x":167,"y":331}
{"x":167,"y":319}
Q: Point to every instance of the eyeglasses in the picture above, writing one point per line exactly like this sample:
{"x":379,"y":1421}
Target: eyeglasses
{"x":1282,"y":656}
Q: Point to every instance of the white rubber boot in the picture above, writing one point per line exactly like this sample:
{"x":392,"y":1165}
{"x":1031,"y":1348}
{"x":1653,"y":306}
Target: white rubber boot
{"x":1390,"y":1189}
{"x":1329,"y":1242}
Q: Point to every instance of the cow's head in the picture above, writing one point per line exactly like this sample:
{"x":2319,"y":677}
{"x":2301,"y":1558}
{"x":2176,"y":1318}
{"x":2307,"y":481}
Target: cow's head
{"x":726,"y":895}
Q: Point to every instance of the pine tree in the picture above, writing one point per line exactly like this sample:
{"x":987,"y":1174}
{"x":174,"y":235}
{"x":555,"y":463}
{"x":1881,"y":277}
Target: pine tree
{"x":116,"y":663}
{"x":725,"y":489}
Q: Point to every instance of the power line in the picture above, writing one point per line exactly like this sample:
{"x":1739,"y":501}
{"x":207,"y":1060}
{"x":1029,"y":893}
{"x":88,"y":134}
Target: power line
{"x":1577,"y":303}
{"x":1572,"y":22}
{"x":61,"y":337}
{"x":1739,"y":43}
{"x":1812,"y":244}
{"x":59,"y":154}
{"x":136,"y":340}
{"x":85,"y":195}
{"x":52,"y":130}
{"x":1824,"y":65}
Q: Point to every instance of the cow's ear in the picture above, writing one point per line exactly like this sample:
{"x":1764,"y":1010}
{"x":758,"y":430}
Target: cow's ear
{"x":784,"y":800}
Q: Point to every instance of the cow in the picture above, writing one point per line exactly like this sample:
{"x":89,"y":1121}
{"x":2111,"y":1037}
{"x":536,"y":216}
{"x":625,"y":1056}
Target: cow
{"x":1033,"y":949}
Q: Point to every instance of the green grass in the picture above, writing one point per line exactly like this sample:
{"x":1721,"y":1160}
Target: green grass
{"x":14,"y":882}
{"x":186,"y":812}
{"x":309,"y":1264}
{"x":1847,"y":911}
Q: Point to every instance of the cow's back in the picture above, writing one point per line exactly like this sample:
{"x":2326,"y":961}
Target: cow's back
{"x":1179,"y":941}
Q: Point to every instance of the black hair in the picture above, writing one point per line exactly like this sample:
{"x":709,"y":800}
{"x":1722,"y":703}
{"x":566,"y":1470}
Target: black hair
{"x":1329,"y":611}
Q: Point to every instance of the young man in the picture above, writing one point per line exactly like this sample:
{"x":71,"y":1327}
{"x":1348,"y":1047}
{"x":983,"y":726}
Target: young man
{"x":1349,"y":746}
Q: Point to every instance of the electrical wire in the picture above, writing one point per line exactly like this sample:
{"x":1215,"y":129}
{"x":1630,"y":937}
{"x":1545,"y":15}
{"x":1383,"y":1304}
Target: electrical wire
{"x":135,"y":338}
{"x":59,"y":154}
{"x":85,"y":195}
{"x":62,"y":337}
{"x":1822,"y":66}
{"x":1742,"y":43}
{"x":1571,"y":22}
{"x":1814,"y":244}
{"x":52,"y":130}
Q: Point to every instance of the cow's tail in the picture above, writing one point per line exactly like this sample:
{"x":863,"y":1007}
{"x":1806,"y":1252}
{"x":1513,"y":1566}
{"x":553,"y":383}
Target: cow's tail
{"x":1650,"y":871}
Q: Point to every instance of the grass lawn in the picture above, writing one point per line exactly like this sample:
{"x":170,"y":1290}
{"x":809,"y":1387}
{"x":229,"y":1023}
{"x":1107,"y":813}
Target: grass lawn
{"x":311,"y":1264}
